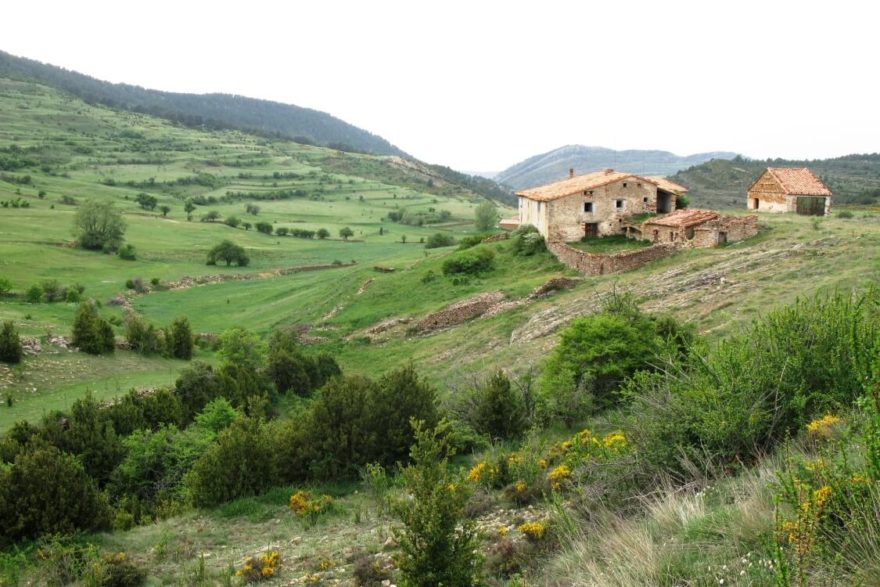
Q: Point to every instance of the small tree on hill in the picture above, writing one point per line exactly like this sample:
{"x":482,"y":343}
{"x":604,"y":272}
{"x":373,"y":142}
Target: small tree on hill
{"x":91,"y":333}
{"x":181,"y":339}
{"x":229,"y":253}
{"x":485,"y":216}
{"x":345,"y":233}
{"x":146,"y":201}
{"x":252,"y":209}
{"x":164,"y":209}
{"x":99,"y":226}
{"x":323,"y":233}
{"x":10,"y":344}
{"x":264,"y":227}
{"x":189,"y":207}
{"x":438,"y":542}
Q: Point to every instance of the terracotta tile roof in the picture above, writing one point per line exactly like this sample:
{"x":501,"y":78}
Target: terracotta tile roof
{"x":684,"y":218}
{"x":665,"y":184}
{"x":799,"y":181}
{"x":590,"y":181}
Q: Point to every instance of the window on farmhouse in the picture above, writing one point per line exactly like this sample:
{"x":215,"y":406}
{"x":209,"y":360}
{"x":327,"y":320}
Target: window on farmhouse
{"x":619,"y":204}
{"x":645,"y":199}
{"x":624,"y":184}
{"x":588,"y":207}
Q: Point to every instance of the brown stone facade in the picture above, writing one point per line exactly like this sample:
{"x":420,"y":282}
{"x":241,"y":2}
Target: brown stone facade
{"x":593,"y":264}
{"x":726,"y":229}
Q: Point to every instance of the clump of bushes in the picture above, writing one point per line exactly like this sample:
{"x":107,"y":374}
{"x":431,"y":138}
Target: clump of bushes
{"x":91,"y":333}
{"x":526,"y":241}
{"x":470,"y":241}
{"x":438,"y":240}
{"x":469,"y":262}
{"x":127,"y":252}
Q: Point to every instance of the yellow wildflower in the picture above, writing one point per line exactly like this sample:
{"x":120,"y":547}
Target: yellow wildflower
{"x":520,"y":486}
{"x":542,"y":463}
{"x":823,"y":428}
{"x":502,"y":531}
{"x":533,"y":530}
{"x":559,"y":475}
{"x":476,"y":472}
{"x":821,"y":495}
{"x":614,"y":440}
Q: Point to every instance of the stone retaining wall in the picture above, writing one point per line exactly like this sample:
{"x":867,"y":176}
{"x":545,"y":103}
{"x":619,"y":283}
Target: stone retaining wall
{"x":593,"y":264}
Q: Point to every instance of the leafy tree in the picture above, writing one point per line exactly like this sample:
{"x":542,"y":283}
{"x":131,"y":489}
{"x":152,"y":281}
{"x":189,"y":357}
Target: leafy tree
{"x":485,"y":216}
{"x":48,"y":492}
{"x":127,"y":252}
{"x":252,"y":209}
{"x":682,"y":202}
{"x":264,"y":227}
{"x":345,"y":232}
{"x":470,"y":262}
{"x":189,"y":207}
{"x":146,"y":201}
{"x":246,"y":225}
{"x":211,"y":216}
{"x":99,"y":226}
{"x":91,"y":333}
{"x":438,"y":542}
{"x":197,"y":386}
{"x":181,"y":339}
{"x":228,"y":252}
{"x":164,"y":209}
{"x":282,"y":231}
{"x":232,"y":221}
{"x":242,"y":348}
{"x":10,"y":344}
{"x":323,"y":233}
{"x":141,"y":336}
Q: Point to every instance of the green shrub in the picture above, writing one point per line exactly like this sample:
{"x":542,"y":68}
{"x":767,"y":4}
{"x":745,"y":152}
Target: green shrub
{"x":34,"y":294}
{"x":282,"y":231}
{"x":682,"y":202}
{"x":438,"y":543}
{"x":526,"y":241}
{"x":264,"y":227}
{"x":438,"y":240}
{"x":91,"y":333}
{"x":99,"y":226}
{"x":47,"y":491}
{"x":10,"y":344}
{"x":5,"y":286}
{"x":116,"y":570}
{"x":499,"y":411}
{"x":469,"y":262}
{"x":141,"y":336}
{"x":485,"y":216}
{"x":127,"y":252}
{"x":470,"y":241}
{"x":845,"y":214}
{"x":232,"y":221}
{"x":53,"y":291}
{"x":197,"y":386}
{"x":741,"y":397}
{"x":241,"y":463}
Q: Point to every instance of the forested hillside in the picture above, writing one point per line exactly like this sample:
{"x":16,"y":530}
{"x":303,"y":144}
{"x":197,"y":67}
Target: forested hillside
{"x":208,"y":110}
{"x":854,"y":179}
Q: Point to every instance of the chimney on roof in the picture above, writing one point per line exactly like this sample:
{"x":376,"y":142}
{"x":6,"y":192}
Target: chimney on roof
{"x":570,"y":172}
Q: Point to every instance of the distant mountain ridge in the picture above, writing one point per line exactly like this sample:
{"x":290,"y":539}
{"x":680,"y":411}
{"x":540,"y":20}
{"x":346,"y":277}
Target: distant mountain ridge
{"x":554,"y":165}
{"x":209,"y":110}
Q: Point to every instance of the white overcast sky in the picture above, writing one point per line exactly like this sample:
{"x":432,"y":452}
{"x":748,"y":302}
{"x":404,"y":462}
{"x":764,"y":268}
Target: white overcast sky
{"x":481,"y":85}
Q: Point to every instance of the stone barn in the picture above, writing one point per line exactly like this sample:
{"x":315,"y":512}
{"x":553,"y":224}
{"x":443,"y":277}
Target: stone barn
{"x":595,"y":204}
{"x":698,"y":228}
{"x":790,"y":189}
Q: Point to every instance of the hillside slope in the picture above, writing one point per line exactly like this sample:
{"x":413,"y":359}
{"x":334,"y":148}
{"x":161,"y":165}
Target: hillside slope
{"x":211,"y":110}
{"x":854,"y":179}
{"x":554,"y":165}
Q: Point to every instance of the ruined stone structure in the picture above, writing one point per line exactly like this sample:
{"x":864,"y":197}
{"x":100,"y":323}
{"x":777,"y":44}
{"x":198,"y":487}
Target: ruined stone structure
{"x":595,"y":204}
{"x":698,"y":228}
{"x":790,"y":189}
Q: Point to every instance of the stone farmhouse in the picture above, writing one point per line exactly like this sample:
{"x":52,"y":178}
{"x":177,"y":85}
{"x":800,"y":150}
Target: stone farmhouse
{"x":790,"y":189}
{"x":594,"y":204}
{"x":609,"y":202}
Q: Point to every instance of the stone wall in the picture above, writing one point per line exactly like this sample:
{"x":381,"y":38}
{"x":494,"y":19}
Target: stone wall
{"x":459,"y":312}
{"x":593,"y":264}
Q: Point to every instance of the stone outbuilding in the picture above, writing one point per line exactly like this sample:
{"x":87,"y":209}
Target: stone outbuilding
{"x":594,"y":204}
{"x":790,"y":189}
{"x":698,"y":228}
